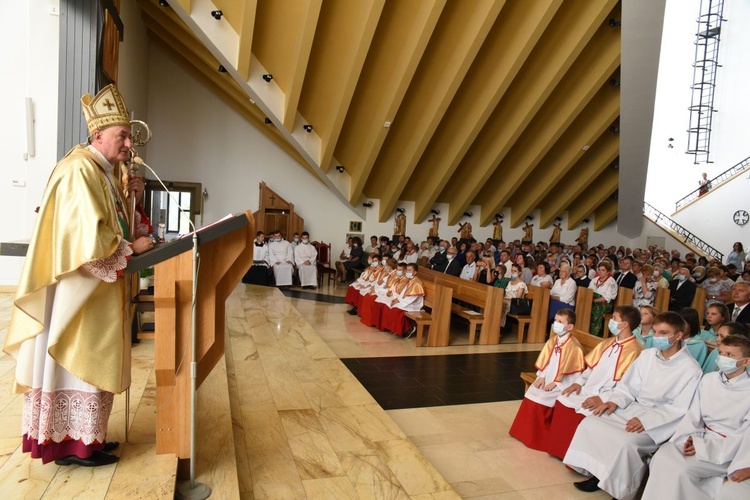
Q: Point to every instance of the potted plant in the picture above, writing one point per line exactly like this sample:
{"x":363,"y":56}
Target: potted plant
{"x":146,"y":275}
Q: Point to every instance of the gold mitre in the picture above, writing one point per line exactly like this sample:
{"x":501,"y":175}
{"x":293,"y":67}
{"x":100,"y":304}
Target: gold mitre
{"x":105,"y":109}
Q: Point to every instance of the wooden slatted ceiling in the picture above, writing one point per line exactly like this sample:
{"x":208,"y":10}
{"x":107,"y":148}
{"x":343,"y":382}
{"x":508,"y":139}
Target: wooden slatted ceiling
{"x":485,"y":97}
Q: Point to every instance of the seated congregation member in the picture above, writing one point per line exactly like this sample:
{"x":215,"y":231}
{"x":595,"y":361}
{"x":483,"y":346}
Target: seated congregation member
{"x":693,"y":342}
{"x":282,"y":259}
{"x":644,"y":292}
{"x":558,"y":365}
{"x":716,"y":315}
{"x":581,"y":277}
{"x":369,"y":310}
{"x":682,"y":290}
{"x":470,"y":269}
{"x":353,"y":296}
{"x":718,"y":291}
{"x":605,"y":293}
{"x":542,"y":278}
{"x":515,"y":289}
{"x":373,"y":246}
{"x":605,"y":366}
{"x":645,"y":332}
{"x":738,"y":311}
{"x":305,"y":258}
{"x":497,"y":278}
{"x":726,"y":329}
{"x":258,"y":273}
{"x":345,"y":254}
{"x":452,"y":265}
{"x":410,"y":297}
{"x":624,"y":277}
{"x":659,"y":276}
{"x":694,"y":463}
{"x":563,"y":292}
{"x":440,"y":259}
{"x":411,"y":255}
{"x":526,"y":263}
{"x":485,"y":269}
{"x":612,"y":445}
{"x":355,"y":262}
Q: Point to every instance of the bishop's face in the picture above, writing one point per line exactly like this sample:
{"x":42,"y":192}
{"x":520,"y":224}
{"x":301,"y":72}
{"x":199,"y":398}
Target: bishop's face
{"x":113,"y":142}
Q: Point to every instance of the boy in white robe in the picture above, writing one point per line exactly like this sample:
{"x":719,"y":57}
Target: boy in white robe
{"x":612,"y":445}
{"x":558,"y":365}
{"x":738,"y":485}
{"x":305,"y":258}
{"x":282,"y":259}
{"x":606,"y":364}
{"x":696,"y":460}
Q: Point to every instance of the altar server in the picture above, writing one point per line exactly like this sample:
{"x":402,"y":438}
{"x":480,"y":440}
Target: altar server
{"x":282,"y":259}
{"x":410,"y":297}
{"x":694,"y":463}
{"x":258,"y":273}
{"x":612,"y":445}
{"x":369,"y":310}
{"x":558,"y":365}
{"x":737,"y":486}
{"x":606,"y":364}
{"x":353,"y":296}
{"x":305,"y":257}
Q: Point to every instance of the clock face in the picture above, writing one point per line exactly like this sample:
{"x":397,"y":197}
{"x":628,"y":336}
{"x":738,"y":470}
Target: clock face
{"x":741,"y":217}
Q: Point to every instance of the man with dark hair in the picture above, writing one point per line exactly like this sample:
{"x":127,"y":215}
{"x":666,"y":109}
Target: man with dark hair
{"x":305,"y":258}
{"x":681,"y":290}
{"x":624,"y":277}
{"x":612,"y":445}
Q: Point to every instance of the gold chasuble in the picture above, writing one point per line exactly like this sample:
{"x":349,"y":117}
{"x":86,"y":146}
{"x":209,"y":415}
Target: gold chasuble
{"x":571,"y":360}
{"x":81,"y":223}
{"x":627,"y":352}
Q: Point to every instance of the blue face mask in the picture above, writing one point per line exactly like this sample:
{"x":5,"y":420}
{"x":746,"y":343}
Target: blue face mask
{"x":612,"y":325}
{"x":661,"y":343}
{"x":726,"y":364}
{"x":681,"y":277}
{"x":399,"y":273}
{"x":375,"y":263}
{"x":410,"y":275}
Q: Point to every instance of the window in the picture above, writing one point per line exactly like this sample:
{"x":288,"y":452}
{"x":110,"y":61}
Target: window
{"x":165,"y":209}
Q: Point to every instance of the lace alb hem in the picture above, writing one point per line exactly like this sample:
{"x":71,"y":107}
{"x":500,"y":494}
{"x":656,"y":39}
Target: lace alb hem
{"x":107,"y":269}
{"x":66,"y":414}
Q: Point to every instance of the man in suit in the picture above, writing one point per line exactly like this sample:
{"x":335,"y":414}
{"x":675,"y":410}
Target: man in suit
{"x":451,"y":265}
{"x":682,"y":290}
{"x":440,"y":259}
{"x":625,"y":277}
{"x":739,"y":311}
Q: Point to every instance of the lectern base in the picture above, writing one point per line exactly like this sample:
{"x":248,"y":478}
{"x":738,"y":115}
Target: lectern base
{"x":200,"y":492}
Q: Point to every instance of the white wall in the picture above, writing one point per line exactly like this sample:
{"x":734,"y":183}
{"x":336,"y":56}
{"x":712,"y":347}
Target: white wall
{"x":671,"y":173}
{"x":29,"y":34}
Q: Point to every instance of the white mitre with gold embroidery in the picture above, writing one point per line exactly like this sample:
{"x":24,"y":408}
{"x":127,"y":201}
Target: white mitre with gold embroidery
{"x":105,"y":109}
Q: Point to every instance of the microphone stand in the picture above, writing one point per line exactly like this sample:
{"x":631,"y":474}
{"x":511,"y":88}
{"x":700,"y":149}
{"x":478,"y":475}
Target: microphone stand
{"x":192,"y":490}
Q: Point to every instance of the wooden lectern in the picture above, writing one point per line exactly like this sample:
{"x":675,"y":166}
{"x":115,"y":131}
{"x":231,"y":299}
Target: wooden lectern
{"x":226,"y":253}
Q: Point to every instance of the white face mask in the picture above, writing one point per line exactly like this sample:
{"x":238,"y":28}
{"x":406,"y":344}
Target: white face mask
{"x":558,"y":328}
{"x":399,"y":273}
{"x":296,"y":239}
{"x":726,"y":364}
{"x":449,"y":256}
{"x":410,"y":275}
{"x":305,"y":241}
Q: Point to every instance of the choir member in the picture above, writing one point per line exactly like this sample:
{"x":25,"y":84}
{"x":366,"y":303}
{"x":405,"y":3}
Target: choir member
{"x":305,"y":258}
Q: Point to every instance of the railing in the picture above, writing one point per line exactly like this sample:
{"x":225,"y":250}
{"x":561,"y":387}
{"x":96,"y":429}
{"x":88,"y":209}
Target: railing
{"x":662,"y":220}
{"x":719,"y":179}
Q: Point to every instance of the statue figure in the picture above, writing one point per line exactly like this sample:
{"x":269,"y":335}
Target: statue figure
{"x":465,"y":230}
{"x":528,"y":233}
{"x":399,"y":227}
{"x":435,"y":225}
{"x":497,"y":233}
{"x":555,"y":238}
{"x":583,"y":238}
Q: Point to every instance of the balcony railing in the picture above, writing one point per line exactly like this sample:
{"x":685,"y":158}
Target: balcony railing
{"x":713,"y":183}
{"x":662,"y":220}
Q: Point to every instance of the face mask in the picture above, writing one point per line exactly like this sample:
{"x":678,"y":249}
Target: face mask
{"x":305,"y":241}
{"x":296,"y":239}
{"x":399,"y":273}
{"x":661,"y":343}
{"x":681,"y":277}
{"x":442,"y":249}
{"x":657,"y":273}
{"x":558,"y":328}
{"x":410,"y":275}
{"x":726,"y":364}
{"x":613,"y":327}
{"x":450,"y":256}
{"x":374,"y":263}
{"x":696,"y":275}
{"x":514,"y":275}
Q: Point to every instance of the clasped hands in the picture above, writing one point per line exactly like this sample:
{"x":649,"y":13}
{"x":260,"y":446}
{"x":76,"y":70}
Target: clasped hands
{"x":539,"y":384}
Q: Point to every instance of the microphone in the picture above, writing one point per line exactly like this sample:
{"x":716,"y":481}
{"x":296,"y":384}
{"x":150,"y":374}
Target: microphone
{"x":139,"y":161}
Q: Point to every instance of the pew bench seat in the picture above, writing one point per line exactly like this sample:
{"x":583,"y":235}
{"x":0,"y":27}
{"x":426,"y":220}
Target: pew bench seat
{"x":474,"y":318}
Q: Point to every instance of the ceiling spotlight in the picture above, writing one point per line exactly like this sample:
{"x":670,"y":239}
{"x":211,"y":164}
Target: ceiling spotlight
{"x":670,"y":146}
{"x":529,"y":217}
{"x":671,"y":139}
{"x":614,"y":129}
{"x":614,"y":23}
{"x":400,"y":210}
{"x":216,"y":14}
{"x":468,"y":214}
{"x":308,"y":128}
{"x":268,"y":77}
{"x":558,"y":219}
{"x":267,"y":121}
{"x":164,"y":3}
{"x":614,"y":82}
{"x":614,"y":166}
{"x":340,"y":169}
{"x":615,"y":195}
{"x":585,"y":221}
{"x":435,"y":211}
{"x":367,"y":204}
{"x":222,"y":69}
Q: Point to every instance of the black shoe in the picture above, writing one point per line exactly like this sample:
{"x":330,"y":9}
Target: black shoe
{"x":110,"y":446}
{"x":352,"y":311}
{"x":96,"y":459}
{"x":589,"y":486}
{"x":410,"y":332}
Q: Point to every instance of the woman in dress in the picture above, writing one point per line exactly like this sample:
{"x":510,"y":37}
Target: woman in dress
{"x":737,"y":256}
{"x":563,"y":292}
{"x":516,"y":289}
{"x":605,"y":293}
{"x":542,"y":278}
{"x":644,"y":291}
{"x":526,"y":273}
{"x":718,"y":291}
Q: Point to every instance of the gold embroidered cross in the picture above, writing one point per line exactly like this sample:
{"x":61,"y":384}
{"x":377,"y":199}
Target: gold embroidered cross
{"x":108,"y":104}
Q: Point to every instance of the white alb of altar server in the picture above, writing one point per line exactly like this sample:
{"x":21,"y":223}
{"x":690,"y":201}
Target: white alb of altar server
{"x":282,"y":259}
{"x":734,"y":488}
{"x":305,"y":257}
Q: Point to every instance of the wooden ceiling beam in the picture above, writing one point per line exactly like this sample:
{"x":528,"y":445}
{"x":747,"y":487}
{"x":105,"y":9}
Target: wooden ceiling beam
{"x":604,"y":214}
{"x":509,"y":43}
{"x":602,"y":188}
{"x":461,"y":31}
{"x":551,"y":169}
{"x":400,"y":40}
{"x":246,"y":31}
{"x":601,"y":154}
{"x":292,"y":93}
{"x":568,"y":34}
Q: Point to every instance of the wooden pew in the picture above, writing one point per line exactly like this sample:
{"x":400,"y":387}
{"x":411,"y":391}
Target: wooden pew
{"x":661,"y":301}
{"x":437,"y":322}
{"x":699,"y":302}
{"x":489,"y":300}
{"x":537,"y":320}
{"x":587,"y":341}
{"x":584,"y":300}
{"x":624,"y":298}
